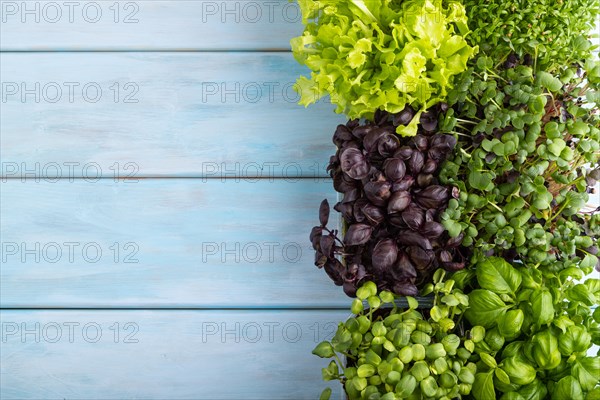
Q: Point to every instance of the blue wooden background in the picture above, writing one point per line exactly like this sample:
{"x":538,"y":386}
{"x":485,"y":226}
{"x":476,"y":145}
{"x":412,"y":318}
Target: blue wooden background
{"x":196,"y":176}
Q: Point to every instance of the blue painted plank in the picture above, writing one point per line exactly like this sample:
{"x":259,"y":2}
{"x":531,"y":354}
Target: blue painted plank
{"x":148,"y":25}
{"x":162,"y":243}
{"x":159,"y":114}
{"x":172,"y":355}
{"x":164,"y":355}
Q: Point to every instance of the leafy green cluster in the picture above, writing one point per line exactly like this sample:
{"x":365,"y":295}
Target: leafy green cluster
{"x":371,"y":55}
{"x":532,"y":331}
{"x":553,"y":32}
{"x":396,"y":353}
{"x":529,"y":151}
{"x":526,"y":115}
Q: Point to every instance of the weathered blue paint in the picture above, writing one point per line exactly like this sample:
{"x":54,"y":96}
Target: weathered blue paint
{"x":256,"y":355}
{"x":190,"y":114}
{"x":149,"y":25}
{"x":197,"y":243}
{"x":177,"y":127}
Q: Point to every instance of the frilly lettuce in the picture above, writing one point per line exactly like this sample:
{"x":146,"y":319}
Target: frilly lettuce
{"x":381,"y":54}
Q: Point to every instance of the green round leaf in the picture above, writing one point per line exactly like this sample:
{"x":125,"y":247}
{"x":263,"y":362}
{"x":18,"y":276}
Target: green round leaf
{"x":366,"y":370}
{"x":483,"y":386}
{"x":502,"y":376}
{"x":325,"y":394}
{"x":386,"y":296}
{"x":357,"y":307}
{"x":324,"y":350}
{"x":488,"y":360}
{"x":413,"y":304}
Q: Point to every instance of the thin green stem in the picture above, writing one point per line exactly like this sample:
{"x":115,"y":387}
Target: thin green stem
{"x":495,"y":206}
{"x":557,"y":214}
{"x":496,"y":104}
{"x":466,"y":121}
{"x":460,"y":134}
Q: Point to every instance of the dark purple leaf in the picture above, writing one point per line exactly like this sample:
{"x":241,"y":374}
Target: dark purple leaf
{"x":387,"y":145}
{"x":334,"y":162}
{"x":354,"y":163}
{"x":410,"y":238}
{"x":413,"y":217}
{"x":430,"y":167}
{"x":429,"y":121}
{"x":590,"y":181}
{"x":358,"y":234}
{"x":443,"y":143}
{"x":332,"y":269}
{"x":455,"y":242}
{"x":405,"y":289}
{"x":378,"y":192}
{"x":455,"y":192}
{"x":445,"y":256}
{"x":339,"y":267}
{"x":361,"y":131}
{"x":396,"y":220}
{"x":395,"y":169}
{"x":437,"y":154}
{"x":404,"y":117}
{"x":403,"y":270}
{"x":434,"y":196}
{"x":424,"y":180}
{"x":512,"y":176}
{"x":350,"y":289}
{"x":315,"y":236}
{"x":351,"y":196}
{"x":327,"y":244}
{"x":374,"y":214}
{"x":404,"y":153}
{"x":361,"y":273}
{"x":359,"y":216}
{"x":352,"y":144}
{"x":404,"y":184}
{"x":384,"y":255}
{"x":375,"y":176}
{"x":592,"y":250}
{"x":320,"y":259}
{"x":430,"y":215}
{"x":416,"y":162}
{"x":391,"y":205}
{"x":432,"y":229}
{"x":324,"y":212}
{"x":342,"y":182}
{"x":399,"y":201}
{"x":350,"y":274}
{"x":372,"y":139}
{"x":421,"y":142}
{"x":353,"y":123}
{"x":421,"y":258}
{"x":380,"y":117}
{"x":511,"y":61}
{"x":341,"y":135}
{"x":453,"y":266}
{"x":346,"y":209}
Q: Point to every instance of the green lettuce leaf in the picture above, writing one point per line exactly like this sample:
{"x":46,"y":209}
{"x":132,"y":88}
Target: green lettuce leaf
{"x":499,"y":276}
{"x":370,"y":55}
{"x":485,"y":308}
